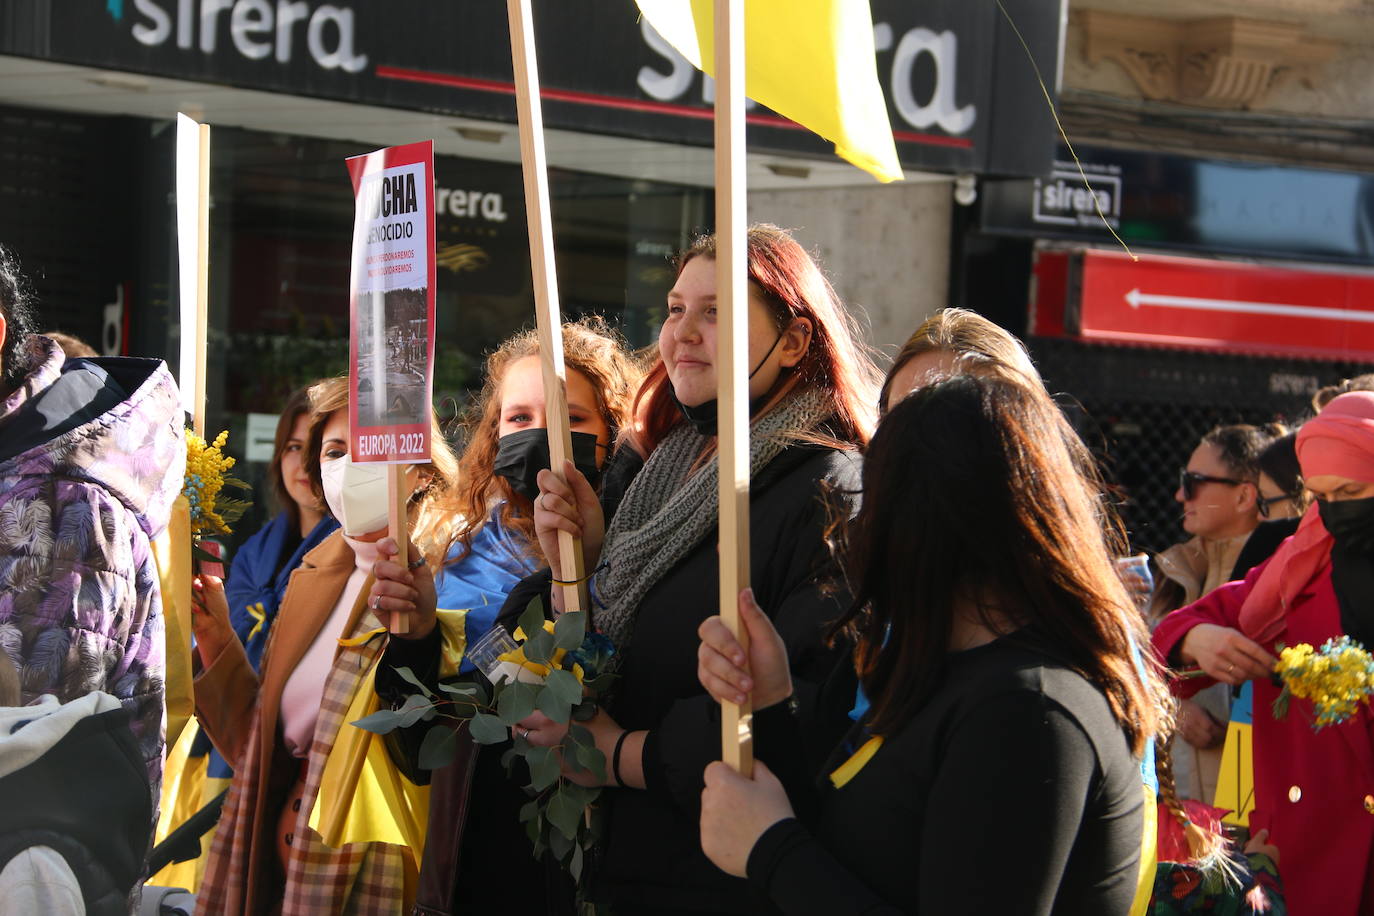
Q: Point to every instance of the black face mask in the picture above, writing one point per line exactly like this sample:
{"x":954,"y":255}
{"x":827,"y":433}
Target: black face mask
{"x":521,"y":456}
{"x":1350,"y":523}
{"x":703,"y":417}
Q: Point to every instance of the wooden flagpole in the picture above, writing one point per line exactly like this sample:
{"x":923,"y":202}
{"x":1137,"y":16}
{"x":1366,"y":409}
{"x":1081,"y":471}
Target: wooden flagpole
{"x":732,"y":356}
{"x":398,"y":529}
{"x":202,"y":276}
{"x":547,"y":312}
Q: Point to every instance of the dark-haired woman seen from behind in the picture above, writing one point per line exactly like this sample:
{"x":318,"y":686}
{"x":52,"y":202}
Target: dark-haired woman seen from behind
{"x":996,"y":770}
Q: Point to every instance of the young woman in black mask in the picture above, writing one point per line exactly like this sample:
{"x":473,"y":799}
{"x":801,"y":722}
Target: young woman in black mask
{"x":473,"y":824}
{"x":812,"y":393}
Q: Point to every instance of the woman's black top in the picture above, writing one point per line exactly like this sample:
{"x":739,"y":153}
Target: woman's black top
{"x":650,"y":858}
{"x":1012,"y":791}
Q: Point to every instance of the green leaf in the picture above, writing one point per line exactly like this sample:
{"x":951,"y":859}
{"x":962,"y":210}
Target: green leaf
{"x":584,"y":711}
{"x":551,"y":704}
{"x":583,"y":795}
{"x":539,"y":648}
{"x":561,"y":846}
{"x":409,"y":677}
{"x":487,"y":729}
{"x":516,"y":703}
{"x":532,"y":831}
{"x":599,"y":685}
{"x":591,"y":759}
{"x":564,"y":813}
{"x":508,"y":759}
{"x":544,"y":768}
{"x":468,"y":689}
{"x":235,"y":482}
{"x":438,"y":749}
{"x":532,"y":620}
{"x":381,"y":722}
{"x":575,"y":864}
{"x":414,"y":709}
{"x":200,"y":553}
{"x":529,"y":810}
{"x":568,"y":686}
{"x":569,"y":630}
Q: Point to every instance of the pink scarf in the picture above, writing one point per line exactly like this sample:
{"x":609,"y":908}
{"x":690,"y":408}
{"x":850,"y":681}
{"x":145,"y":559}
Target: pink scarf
{"x":1339,"y":441}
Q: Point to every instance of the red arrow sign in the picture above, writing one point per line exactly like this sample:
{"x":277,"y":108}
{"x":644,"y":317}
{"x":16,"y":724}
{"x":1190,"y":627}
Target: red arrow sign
{"x":1223,"y":306}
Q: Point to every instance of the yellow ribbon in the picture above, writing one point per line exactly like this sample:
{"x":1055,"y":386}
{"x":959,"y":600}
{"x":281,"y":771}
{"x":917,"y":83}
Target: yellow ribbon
{"x":856,"y":762}
{"x":258,"y":613}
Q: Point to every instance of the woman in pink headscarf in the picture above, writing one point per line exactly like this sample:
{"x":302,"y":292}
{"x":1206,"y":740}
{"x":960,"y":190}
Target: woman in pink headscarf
{"x":1314,"y":791}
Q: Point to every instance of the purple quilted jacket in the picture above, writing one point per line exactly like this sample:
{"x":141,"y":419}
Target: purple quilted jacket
{"x":91,"y":457}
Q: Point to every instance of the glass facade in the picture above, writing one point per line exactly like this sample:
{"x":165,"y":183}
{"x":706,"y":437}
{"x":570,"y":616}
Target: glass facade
{"x":281,"y":224}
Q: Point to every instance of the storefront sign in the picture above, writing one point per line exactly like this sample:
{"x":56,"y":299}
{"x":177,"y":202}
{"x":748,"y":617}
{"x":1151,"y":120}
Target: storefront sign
{"x":962,"y":91}
{"x":391,"y":305}
{"x":1188,"y":204}
{"x":1215,"y":306}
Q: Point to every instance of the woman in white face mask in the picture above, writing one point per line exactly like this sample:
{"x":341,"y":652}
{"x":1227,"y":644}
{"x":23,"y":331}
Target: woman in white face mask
{"x":276,"y":729}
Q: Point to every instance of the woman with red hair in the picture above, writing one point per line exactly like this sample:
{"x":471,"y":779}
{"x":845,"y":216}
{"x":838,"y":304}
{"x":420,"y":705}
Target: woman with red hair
{"x":812,"y":392}
{"x":1314,"y":790}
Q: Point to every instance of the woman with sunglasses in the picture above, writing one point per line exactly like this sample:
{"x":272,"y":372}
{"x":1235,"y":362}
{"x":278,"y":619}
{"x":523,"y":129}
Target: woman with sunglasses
{"x":1219,"y":492}
{"x":1314,"y":790}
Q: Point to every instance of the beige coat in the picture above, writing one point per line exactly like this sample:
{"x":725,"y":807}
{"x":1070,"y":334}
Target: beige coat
{"x":242,"y":715}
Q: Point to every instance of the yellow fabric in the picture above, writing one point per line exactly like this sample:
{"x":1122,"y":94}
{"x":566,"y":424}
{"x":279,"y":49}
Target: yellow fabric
{"x":856,"y":762}
{"x":363,"y":797}
{"x":1149,"y":853}
{"x":809,"y":60}
{"x":185,"y":790}
{"x":1236,"y":781}
{"x":259,"y":615}
{"x":172,"y":553}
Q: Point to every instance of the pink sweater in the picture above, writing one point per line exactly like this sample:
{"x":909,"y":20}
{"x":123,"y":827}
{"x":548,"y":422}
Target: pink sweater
{"x":300,"y":699}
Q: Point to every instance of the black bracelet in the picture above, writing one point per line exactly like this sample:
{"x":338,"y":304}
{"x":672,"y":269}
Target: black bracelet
{"x":586,"y":578}
{"x":615,"y":757}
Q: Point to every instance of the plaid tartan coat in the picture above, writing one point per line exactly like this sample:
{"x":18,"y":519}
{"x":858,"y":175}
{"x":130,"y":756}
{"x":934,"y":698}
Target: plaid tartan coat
{"x":241,"y":714}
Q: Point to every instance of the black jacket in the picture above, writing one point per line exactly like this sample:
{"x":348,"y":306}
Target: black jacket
{"x":651,"y":858}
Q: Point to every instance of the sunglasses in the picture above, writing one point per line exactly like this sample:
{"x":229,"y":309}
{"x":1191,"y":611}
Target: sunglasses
{"x":1188,"y":482}
{"x":1264,"y":502}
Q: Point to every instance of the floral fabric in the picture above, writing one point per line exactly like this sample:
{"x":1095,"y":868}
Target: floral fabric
{"x":80,"y":608}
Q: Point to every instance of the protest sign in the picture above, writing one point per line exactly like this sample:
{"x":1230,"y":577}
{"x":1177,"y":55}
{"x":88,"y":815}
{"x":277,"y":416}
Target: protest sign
{"x":391,"y":305}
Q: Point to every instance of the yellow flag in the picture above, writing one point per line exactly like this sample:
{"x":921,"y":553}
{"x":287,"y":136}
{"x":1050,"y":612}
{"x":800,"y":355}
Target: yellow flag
{"x":363,"y":797}
{"x":172,"y":553}
{"x":809,"y":60}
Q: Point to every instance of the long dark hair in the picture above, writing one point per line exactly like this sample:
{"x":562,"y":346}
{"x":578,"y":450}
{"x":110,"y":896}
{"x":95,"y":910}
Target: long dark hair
{"x":297,"y":405}
{"x":971,"y":493}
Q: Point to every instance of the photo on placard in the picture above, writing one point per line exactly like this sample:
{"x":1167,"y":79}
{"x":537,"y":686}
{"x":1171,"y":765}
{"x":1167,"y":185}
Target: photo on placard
{"x":392,"y":343}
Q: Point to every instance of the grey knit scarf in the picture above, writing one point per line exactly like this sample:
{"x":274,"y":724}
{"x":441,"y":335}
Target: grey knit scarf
{"x":669,"y":508}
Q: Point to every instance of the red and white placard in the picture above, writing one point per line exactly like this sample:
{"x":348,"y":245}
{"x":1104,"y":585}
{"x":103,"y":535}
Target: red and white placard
{"x":391,"y":305}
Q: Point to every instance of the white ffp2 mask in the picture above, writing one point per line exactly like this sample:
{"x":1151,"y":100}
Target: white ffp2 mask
{"x":356,"y":494}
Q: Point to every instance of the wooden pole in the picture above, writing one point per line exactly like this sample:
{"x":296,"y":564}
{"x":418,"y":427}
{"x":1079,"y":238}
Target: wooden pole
{"x":732,"y":356}
{"x":202,"y":276}
{"x":397,"y":528}
{"x":547,"y":312}
{"x":193,"y":256}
